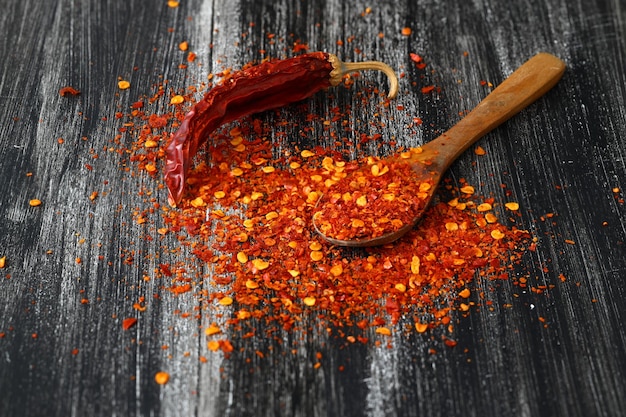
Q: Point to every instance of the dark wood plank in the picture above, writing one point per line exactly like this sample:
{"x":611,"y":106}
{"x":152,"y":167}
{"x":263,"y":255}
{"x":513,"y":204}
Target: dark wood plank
{"x":521,"y":353}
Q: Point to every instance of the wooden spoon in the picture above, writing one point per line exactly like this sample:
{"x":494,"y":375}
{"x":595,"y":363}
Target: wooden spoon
{"x":429,"y":162}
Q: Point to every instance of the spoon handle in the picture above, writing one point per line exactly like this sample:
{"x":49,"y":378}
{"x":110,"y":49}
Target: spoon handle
{"x":529,"y":82}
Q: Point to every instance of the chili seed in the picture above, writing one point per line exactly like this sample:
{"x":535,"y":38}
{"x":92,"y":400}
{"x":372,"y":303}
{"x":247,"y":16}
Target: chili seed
{"x":242,"y":257}
{"x":162,"y":378}
{"x":212,"y":329}
{"x":497,"y":234}
{"x":491,"y":218}
{"x":226,"y":301}
{"x":260,"y":264}
{"x":383,"y":330}
{"x":336,"y":270}
{"x":468,"y":189}
{"x":317,"y":255}
{"x":251,"y":285}
{"x":421,"y":327}
{"x":177,"y":99}
{"x":198,"y":202}
{"x":452,"y":226}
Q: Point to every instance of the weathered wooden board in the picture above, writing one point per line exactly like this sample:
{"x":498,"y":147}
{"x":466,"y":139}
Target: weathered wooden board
{"x":559,"y":353}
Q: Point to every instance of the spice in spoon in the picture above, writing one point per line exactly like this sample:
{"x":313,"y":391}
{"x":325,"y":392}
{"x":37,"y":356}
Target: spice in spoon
{"x":258,"y":88}
{"x":372,"y":202}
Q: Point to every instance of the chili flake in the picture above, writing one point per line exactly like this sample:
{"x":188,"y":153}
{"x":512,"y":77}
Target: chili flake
{"x":480,"y":151}
{"x":128,"y":323}
{"x":68,"y":91}
{"x":374,"y":202}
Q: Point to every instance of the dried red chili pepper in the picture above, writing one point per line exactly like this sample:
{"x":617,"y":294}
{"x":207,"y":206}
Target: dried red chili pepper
{"x":269,"y":85}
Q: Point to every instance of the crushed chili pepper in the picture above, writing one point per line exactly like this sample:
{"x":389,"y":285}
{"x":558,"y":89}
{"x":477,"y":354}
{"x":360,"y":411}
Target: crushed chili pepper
{"x":279,"y":269}
{"x":374,"y":201}
{"x":248,"y":213}
{"x":268,"y":85}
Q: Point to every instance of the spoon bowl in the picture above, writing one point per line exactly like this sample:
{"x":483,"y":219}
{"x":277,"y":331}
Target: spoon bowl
{"x":371,"y":208}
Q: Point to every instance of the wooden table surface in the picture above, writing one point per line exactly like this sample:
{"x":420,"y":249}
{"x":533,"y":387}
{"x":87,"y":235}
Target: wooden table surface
{"x":559,"y":353}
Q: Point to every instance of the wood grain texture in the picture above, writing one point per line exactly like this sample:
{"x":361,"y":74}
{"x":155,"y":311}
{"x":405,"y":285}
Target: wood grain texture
{"x":561,"y":353}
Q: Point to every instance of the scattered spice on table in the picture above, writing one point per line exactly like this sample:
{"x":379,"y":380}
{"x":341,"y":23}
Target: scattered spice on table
{"x":247,"y":213}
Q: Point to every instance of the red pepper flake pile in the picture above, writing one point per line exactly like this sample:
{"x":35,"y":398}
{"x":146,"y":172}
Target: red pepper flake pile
{"x":249,"y":215}
{"x":247,"y":211}
{"x":375,"y":201}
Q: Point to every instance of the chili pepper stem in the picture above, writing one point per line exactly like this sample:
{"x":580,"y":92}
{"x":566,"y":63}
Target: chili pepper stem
{"x":341,"y":68}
